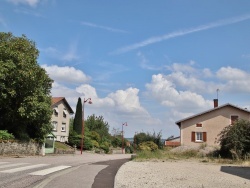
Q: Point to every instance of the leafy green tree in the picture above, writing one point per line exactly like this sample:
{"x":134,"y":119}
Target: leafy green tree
{"x":77,"y":125}
{"x":97,"y":124}
{"x":235,"y":140}
{"x":25,"y":101}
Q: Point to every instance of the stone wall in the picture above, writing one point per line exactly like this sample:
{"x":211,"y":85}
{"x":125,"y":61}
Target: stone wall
{"x":20,"y":148}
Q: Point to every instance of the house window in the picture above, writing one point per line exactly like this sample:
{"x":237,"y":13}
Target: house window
{"x":56,"y":111}
{"x":62,"y":139}
{"x":198,"y":125}
{"x":54,"y":124}
{"x":199,"y":137}
{"x":234,"y":118}
{"x":64,"y":113}
{"x":63,"y":127}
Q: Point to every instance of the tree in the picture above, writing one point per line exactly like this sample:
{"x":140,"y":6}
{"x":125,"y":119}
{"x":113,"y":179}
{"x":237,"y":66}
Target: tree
{"x":77,"y":125}
{"x":235,"y":140}
{"x":25,"y":101}
{"x":97,"y":124}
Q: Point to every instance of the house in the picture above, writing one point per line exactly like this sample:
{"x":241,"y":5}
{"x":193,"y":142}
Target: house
{"x":172,"y":141}
{"x":205,"y":127}
{"x":60,"y":118}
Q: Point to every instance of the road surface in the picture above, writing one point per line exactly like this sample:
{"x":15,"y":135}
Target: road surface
{"x":60,"y":170}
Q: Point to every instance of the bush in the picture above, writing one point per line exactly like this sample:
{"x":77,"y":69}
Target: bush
{"x":4,"y":135}
{"x":235,"y":140}
{"x":148,"y":146}
{"x":105,"y":146}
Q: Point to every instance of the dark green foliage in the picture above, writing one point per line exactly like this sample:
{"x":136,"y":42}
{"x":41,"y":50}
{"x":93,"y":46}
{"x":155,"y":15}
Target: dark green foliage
{"x":25,"y":101}
{"x":129,"y":149}
{"x":74,"y":138}
{"x":4,"y":135}
{"x":143,"y":137}
{"x":116,"y":141}
{"x":235,"y":140}
{"x":77,"y":125}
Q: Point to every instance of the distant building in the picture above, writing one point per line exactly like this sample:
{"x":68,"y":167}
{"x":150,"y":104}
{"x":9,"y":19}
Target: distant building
{"x":172,"y":141}
{"x":60,"y":118}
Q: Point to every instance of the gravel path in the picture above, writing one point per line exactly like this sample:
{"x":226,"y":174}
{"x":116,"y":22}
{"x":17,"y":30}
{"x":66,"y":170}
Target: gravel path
{"x":181,"y":174}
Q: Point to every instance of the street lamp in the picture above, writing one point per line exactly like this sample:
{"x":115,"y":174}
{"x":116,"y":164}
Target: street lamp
{"x":122,"y":136}
{"x":84,"y":101}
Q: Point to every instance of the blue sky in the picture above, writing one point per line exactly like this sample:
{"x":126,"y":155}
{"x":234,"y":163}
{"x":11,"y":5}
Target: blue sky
{"x":147,"y":63}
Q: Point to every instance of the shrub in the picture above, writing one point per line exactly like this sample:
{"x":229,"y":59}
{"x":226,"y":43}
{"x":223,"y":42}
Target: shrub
{"x":4,"y":135}
{"x":105,"y":146}
{"x":148,"y":146}
{"x":235,"y":140}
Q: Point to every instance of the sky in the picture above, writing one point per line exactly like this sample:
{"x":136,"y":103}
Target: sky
{"x":147,"y":63}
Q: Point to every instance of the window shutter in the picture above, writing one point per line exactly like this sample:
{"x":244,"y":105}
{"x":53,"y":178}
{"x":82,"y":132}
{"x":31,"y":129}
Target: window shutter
{"x":193,"y":137}
{"x":204,"y":136}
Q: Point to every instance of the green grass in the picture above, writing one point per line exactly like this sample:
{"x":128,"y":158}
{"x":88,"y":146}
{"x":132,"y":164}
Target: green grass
{"x":60,"y":145}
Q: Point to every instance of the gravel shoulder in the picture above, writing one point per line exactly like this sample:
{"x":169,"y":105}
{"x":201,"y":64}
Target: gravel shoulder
{"x":181,"y":174}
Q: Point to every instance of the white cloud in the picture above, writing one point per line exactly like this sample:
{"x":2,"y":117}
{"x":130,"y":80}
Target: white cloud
{"x":32,"y":3}
{"x":66,"y":74}
{"x":183,"y":32}
{"x":235,"y":80}
{"x":229,"y":73}
{"x":166,"y":93}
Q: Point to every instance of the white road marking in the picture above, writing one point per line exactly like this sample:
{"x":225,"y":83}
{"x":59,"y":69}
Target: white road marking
{"x":11,"y":165}
{"x":49,"y":170}
{"x":23,"y":168}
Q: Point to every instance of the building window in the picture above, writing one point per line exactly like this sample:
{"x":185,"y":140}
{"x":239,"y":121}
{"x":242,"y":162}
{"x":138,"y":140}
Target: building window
{"x":63,"y":127}
{"x":199,"y":137}
{"x":198,"y":125}
{"x":54,"y":124}
{"x":64,"y":113}
{"x":234,"y":118}
{"x":62,"y":139}
{"x":56,"y":111}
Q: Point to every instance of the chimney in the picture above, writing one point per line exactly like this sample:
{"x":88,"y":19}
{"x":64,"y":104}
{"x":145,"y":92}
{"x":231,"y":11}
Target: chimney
{"x":215,"y":103}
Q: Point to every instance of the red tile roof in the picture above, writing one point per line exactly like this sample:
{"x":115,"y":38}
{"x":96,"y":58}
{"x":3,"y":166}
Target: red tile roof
{"x":55,"y":100}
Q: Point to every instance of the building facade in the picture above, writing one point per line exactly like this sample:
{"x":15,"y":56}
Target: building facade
{"x":205,"y":127}
{"x":61,"y":118}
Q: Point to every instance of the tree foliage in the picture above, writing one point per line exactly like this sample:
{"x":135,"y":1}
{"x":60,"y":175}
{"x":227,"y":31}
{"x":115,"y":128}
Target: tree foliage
{"x":97,"y":124}
{"x":77,"y":125}
{"x":25,"y":101}
{"x":235,"y":140}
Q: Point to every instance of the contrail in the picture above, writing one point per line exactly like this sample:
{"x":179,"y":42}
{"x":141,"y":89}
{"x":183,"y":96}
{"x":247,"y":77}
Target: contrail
{"x":103,"y":27}
{"x":174,"y":34}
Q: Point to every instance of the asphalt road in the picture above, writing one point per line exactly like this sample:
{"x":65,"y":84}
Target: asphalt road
{"x":83,"y":171}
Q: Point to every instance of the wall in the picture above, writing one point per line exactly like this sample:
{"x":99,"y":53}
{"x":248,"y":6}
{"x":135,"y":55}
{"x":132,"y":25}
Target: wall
{"x":20,"y":148}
